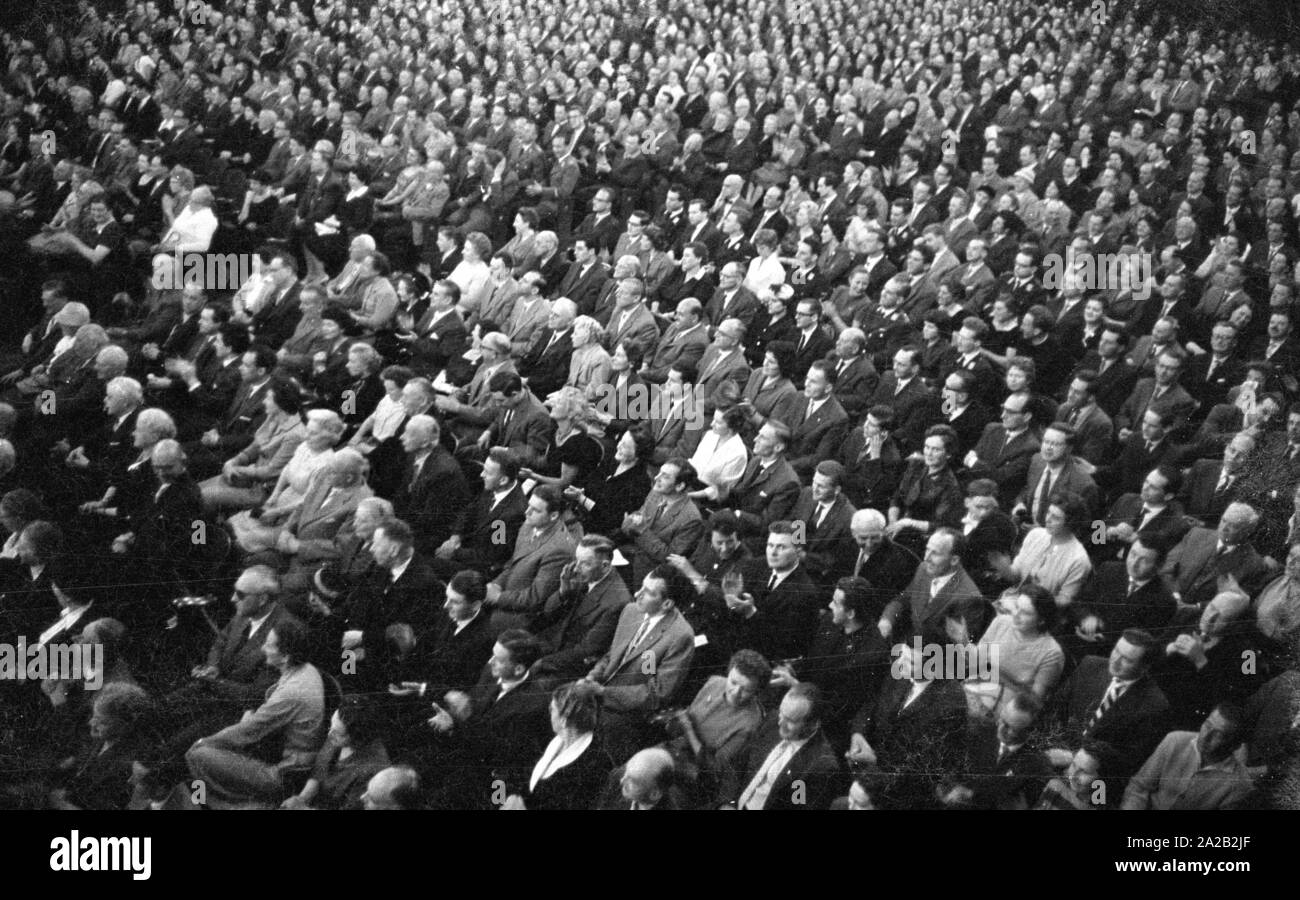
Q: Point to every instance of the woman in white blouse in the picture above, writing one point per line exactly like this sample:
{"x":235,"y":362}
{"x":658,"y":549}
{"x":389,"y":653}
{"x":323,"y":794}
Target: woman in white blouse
{"x":1052,"y":555}
{"x":388,"y":416}
{"x":1028,"y":658}
{"x":575,"y":765}
{"x":472,"y":274}
{"x":721,"y":457}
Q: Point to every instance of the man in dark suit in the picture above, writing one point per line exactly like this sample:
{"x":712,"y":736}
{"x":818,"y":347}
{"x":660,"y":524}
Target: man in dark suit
{"x":1123,"y":594}
{"x":1094,"y":429}
{"x":684,"y":342}
{"x":1210,"y":375}
{"x":1002,"y":771}
{"x":451,"y":656}
{"x":888,"y":566}
{"x":576,"y":624}
{"x":546,"y":363}
{"x":913,"y":730}
{"x":1144,"y":450}
{"x":440,"y":336}
{"x":1115,"y":375}
{"x":1149,"y":512}
{"x":1212,"y":484}
{"x":276,"y":319}
{"x":586,"y":277}
{"x":497,"y":730}
{"x":939,"y":583}
{"x":769,"y":488}
{"x":775,"y":610}
{"x":396,"y":592}
{"x":1055,"y":468}
{"x":966,"y":415}
{"x":1205,"y":555}
{"x":732,"y":300}
{"x":811,"y":342}
{"x":522,"y":424}
{"x":905,"y":391}
{"x":856,"y":378}
{"x":788,"y":762}
{"x":821,"y":424}
{"x":484,"y":532}
{"x":1004,"y":451}
{"x":826,"y":515}
{"x":433,"y":490}
{"x":1162,"y":391}
{"x":1118,"y":702}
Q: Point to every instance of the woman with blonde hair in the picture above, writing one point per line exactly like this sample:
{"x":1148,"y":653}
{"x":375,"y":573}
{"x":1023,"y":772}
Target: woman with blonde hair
{"x":576,"y":453}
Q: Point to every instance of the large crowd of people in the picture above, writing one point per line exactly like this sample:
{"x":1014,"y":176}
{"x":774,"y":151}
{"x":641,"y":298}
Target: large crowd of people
{"x":649,"y":405}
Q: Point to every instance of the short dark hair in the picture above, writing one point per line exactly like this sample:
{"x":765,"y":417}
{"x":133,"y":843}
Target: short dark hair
{"x":507,"y":461}
{"x":524,"y":649}
{"x":469,"y":584}
{"x":858,"y":598}
{"x":294,"y":639}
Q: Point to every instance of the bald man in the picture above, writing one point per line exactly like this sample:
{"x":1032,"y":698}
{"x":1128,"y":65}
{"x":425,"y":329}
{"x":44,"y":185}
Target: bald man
{"x":645,"y":782}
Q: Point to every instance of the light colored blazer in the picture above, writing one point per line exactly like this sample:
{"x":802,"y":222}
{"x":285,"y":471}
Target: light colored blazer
{"x":646,"y":676}
{"x":274,"y":444}
{"x":588,"y":367}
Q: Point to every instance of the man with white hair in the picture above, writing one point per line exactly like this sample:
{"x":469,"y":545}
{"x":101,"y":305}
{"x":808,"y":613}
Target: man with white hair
{"x":469,"y":410}
{"x":111,"y":446}
{"x":343,"y":288}
{"x":885,"y":564}
{"x":546,"y":364}
{"x":1205,"y":555}
{"x":645,"y":782}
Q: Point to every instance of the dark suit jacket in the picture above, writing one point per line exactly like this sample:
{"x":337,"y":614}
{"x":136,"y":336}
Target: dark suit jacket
{"x":1005,"y":463}
{"x":242,"y":672}
{"x":577,"y":785}
{"x":487,"y":532}
{"x":431,"y":502}
{"x":1151,"y":607}
{"x":505,"y":736}
{"x":808,"y":351}
{"x":1072,"y":477}
{"x":785,"y":620}
{"x":452,"y":660}
{"x":815,"y":769}
{"x":379,"y":602}
{"x":829,"y":550}
{"x":529,"y":432}
{"x":915,"y":612}
{"x":1176,"y":400}
{"x":1134,"y":724}
{"x":1114,"y":385}
{"x":870,"y":482}
{"x":817,"y":439}
{"x":275,"y":322}
{"x":914,"y":743}
{"x":1094,"y":432}
{"x":1130,"y":466}
{"x":1014,"y":782}
{"x":1199,"y":496}
{"x":744,"y":306}
{"x":763,"y":497}
{"x":547,"y":367}
{"x":855,"y":385}
{"x":577,"y":626}
{"x":1193,"y":570}
{"x":914,"y":409}
{"x":583,"y":287}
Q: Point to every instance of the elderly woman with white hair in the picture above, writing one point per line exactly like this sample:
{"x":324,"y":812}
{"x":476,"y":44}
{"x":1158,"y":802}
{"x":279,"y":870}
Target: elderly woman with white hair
{"x":308,"y":532}
{"x":313,"y":455}
{"x":589,"y":366}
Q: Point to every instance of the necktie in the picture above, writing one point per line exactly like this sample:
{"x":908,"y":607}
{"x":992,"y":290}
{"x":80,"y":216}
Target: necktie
{"x":1074,"y":417}
{"x":771,"y":582}
{"x":1151,"y":446}
{"x":1225,"y":482}
{"x":639,"y":636}
{"x":1002,"y":752}
{"x":755,"y":796}
{"x":505,"y":420}
{"x":1112,"y":694}
{"x":1132,"y":586}
{"x":803,"y":341}
{"x":1209,"y":370}
{"x":1044,"y":491}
